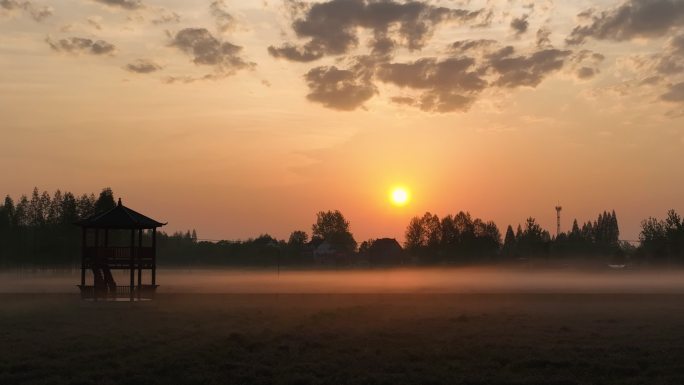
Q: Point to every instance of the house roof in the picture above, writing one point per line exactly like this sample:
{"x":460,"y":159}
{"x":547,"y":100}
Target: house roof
{"x":385,"y":245}
{"x":120,"y":217}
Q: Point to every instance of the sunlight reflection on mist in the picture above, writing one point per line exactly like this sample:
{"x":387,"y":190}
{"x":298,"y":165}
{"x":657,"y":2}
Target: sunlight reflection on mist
{"x":446,"y":280}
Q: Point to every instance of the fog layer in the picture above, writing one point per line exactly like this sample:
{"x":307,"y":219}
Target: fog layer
{"x":451,"y":280}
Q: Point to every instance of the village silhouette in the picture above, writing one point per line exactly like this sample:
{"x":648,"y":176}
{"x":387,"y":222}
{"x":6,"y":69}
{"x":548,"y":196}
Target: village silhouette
{"x":43,"y":231}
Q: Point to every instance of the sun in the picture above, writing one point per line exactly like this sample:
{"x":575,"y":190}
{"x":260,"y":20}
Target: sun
{"x":399,"y":196}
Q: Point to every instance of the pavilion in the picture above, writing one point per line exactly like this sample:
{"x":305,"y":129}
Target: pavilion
{"x":101,"y":258}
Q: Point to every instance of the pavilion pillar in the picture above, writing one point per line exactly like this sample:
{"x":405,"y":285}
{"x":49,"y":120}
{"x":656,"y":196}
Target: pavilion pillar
{"x":131,"y":265}
{"x":83,"y":254}
{"x":154,"y":256}
{"x":140,"y":234}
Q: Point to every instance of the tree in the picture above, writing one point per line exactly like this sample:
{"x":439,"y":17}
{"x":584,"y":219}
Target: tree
{"x":414,"y":236}
{"x":105,"y":201}
{"x":297,"y":239}
{"x":85,"y":206}
{"x":365,"y":246}
{"x":332,"y":227}
{"x":432,"y":230}
{"x":534,"y":239}
{"x":68,"y":210}
{"x":653,"y":238}
{"x":8,"y":212}
{"x":509,"y":245}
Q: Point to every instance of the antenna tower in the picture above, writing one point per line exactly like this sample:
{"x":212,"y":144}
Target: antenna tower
{"x":558,"y":210}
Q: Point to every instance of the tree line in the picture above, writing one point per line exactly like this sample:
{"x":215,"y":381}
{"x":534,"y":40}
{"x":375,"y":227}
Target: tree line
{"x":39,"y":230}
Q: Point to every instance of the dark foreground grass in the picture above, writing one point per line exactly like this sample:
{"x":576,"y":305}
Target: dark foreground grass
{"x":341,"y":339}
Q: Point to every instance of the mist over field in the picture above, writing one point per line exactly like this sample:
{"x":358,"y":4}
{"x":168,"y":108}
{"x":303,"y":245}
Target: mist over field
{"x":403,"y":280}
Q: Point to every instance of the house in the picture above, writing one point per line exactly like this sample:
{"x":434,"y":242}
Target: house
{"x":385,"y":251}
{"x":326,"y":253}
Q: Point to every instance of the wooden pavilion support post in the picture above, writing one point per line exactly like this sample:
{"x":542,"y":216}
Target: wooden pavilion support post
{"x":154,"y":256}
{"x":140,"y":267}
{"x":132,"y":266}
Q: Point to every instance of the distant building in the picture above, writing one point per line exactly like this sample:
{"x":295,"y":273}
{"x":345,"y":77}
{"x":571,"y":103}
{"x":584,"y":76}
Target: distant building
{"x":385,"y":251}
{"x":327,"y":253}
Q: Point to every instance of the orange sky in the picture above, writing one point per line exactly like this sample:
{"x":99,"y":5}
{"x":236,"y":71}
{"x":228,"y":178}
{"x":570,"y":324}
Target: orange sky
{"x":154,"y":99}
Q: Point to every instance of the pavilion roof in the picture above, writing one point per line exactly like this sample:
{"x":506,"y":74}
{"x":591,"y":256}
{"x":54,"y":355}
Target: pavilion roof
{"x":120,"y":217}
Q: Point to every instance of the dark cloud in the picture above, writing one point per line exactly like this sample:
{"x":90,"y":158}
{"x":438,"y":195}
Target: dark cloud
{"x":633,"y":18}
{"x":340,"y":89}
{"x":38,"y":13}
{"x":464,"y":46}
{"x":585,"y":63}
{"x":294,"y":53}
{"x":405,"y":100}
{"x":447,"y":85}
{"x":331,"y":26}
{"x":525,"y":70}
{"x":543,"y":38}
{"x":454,"y":83}
{"x":125,"y":4}
{"x":206,"y":49}
{"x":675,"y":93}
{"x":671,"y":61}
{"x":143,"y":66}
{"x":586,"y":73}
{"x":78,"y":45}
{"x":224,"y":20}
{"x":520,"y":24}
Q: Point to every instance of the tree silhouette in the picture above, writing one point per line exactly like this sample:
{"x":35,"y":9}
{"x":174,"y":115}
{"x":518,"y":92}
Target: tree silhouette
{"x":331,"y":226}
{"x":298,"y":239}
{"x":105,"y":201}
{"x":509,"y":245}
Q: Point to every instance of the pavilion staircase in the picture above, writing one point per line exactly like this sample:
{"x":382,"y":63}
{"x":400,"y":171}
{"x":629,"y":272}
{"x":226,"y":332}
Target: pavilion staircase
{"x":103,"y":279}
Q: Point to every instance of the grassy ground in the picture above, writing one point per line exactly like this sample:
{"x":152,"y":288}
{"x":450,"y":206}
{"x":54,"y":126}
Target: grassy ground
{"x":339,"y":339}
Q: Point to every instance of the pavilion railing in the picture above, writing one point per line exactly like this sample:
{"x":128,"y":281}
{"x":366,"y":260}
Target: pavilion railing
{"x":119,"y":257}
{"x":119,"y":252}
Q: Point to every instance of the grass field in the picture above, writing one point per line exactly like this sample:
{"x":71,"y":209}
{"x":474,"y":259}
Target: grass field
{"x":344,"y":338}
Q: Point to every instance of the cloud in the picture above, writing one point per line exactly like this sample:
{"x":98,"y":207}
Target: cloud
{"x":632,"y":19}
{"x":331,"y":27}
{"x":671,"y":61}
{"x":38,"y":13}
{"x":95,"y":22}
{"x":525,"y":70}
{"x":543,"y":38}
{"x":675,"y":93}
{"x":448,"y":85}
{"x":520,"y":24}
{"x":586,"y":73}
{"x":125,"y":4}
{"x":224,"y":20}
{"x":340,"y":89}
{"x":206,"y":49}
{"x":164,"y":16}
{"x":466,"y":46}
{"x":143,"y":66}
{"x":78,"y":45}
{"x":585,"y":63}
{"x":454,"y":83}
